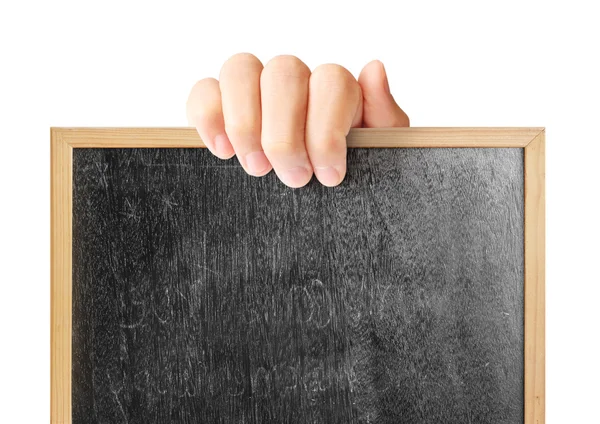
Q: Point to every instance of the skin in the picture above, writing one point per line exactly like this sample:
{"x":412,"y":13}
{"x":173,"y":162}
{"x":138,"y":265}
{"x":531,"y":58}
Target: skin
{"x":284,"y":117}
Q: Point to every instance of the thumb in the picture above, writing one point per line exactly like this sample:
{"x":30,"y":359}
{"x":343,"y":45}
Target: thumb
{"x":380,"y":110}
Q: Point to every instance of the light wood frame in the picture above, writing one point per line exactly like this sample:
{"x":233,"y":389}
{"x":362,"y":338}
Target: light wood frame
{"x":64,"y":140}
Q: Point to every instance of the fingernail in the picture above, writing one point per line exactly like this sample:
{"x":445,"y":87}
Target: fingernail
{"x":328,"y":175}
{"x":296,"y":176}
{"x":257,"y":162}
{"x":223,"y":147}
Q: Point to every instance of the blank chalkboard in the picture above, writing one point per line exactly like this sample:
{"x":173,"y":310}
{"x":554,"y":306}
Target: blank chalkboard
{"x":200,"y":294}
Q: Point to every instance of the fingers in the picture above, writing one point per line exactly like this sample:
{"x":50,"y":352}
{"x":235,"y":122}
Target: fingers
{"x":380,"y":108}
{"x":282,"y":117}
{"x":334,"y":106}
{"x":284,"y":99}
{"x":204,"y":112}
{"x":240,"y":94}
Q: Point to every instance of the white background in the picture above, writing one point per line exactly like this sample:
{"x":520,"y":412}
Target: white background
{"x":109,"y":63}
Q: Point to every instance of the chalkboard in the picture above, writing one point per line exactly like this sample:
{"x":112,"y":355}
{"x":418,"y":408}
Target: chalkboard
{"x":201,"y":294}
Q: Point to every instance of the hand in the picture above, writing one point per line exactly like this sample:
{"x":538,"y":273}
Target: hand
{"x":283,"y":117}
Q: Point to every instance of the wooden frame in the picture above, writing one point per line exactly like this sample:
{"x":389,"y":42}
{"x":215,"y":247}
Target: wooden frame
{"x":532,"y":140}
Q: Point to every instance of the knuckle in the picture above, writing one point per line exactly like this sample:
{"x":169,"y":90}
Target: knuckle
{"x":202,"y":89}
{"x":204,"y":83}
{"x":243,"y":129}
{"x":207,"y":118}
{"x":286,"y":66}
{"x":333,"y":76}
{"x":327,"y":144}
{"x":239,"y":62}
{"x":280,"y":148}
{"x":333,"y":143}
{"x":200,"y":101}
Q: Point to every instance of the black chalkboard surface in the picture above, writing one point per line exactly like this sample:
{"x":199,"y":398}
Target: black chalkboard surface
{"x":204,"y":295}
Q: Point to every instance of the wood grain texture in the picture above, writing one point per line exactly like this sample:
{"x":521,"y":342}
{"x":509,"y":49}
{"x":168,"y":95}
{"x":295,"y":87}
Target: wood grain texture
{"x":201,"y":294}
{"x":358,"y":137}
{"x":60,"y":278}
{"x":535,"y":270}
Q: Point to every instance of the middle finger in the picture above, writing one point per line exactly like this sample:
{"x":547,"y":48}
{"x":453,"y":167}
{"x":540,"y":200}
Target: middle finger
{"x":284,"y":100}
